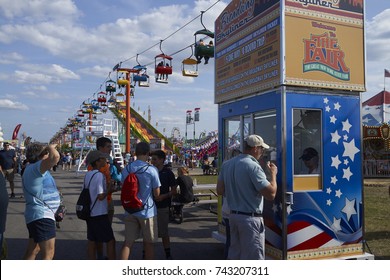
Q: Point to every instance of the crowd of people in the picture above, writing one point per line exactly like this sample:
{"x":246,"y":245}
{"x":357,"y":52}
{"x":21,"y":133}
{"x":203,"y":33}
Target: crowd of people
{"x":158,"y":187}
{"x":242,"y":182}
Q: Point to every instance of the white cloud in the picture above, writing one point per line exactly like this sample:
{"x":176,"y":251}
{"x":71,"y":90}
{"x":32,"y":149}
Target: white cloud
{"x":42,"y":10}
{"x":10,"y":58}
{"x":11,"y":105}
{"x":44,"y":74}
{"x":378,"y":37}
{"x":96,"y":71}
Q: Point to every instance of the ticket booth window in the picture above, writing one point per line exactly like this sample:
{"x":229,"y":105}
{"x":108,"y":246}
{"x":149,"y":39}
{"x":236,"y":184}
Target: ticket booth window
{"x":265,"y":126}
{"x":232,"y":137}
{"x":307,"y":130}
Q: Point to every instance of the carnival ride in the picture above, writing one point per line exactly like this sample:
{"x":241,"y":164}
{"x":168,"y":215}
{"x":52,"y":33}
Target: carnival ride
{"x":142,"y":129}
{"x":113,"y":95}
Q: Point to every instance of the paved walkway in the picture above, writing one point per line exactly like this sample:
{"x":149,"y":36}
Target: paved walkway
{"x":190,"y":240}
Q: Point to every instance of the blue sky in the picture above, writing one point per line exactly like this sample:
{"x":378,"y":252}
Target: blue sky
{"x":54,"y":54}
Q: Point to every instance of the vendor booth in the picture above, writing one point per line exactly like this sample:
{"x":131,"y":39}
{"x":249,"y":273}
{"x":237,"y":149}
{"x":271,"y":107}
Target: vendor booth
{"x":293,"y":73}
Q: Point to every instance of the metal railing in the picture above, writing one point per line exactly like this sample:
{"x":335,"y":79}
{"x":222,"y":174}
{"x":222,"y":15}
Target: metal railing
{"x":376,"y":168}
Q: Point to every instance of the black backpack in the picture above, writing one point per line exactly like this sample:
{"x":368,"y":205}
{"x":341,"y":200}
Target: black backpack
{"x":83,"y":205}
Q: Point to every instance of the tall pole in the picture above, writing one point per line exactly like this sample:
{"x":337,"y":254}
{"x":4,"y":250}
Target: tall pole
{"x":127,"y":102}
{"x":194,"y":134}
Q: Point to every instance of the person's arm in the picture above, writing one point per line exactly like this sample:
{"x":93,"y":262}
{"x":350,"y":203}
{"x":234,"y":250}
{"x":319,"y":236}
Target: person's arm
{"x":156,"y":192}
{"x":269,"y":192}
{"x":15,"y":165}
{"x":51,"y":160}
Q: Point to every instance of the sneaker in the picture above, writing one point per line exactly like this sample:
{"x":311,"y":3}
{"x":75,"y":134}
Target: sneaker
{"x":12,"y":195}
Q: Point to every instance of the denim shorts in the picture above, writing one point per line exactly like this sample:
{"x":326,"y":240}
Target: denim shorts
{"x":42,"y":230}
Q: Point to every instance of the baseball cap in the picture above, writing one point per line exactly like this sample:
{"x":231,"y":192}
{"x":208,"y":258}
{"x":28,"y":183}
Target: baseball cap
{"x":95,"y":155}
{"x":308,"y":153}
{"x":255,"y":141}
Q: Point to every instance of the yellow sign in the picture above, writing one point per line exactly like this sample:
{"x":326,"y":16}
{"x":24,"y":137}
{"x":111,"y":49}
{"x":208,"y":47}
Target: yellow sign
{"x":324,"y":45}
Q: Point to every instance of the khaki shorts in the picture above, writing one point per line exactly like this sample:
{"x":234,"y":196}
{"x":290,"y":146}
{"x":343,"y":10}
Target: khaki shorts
{"x":136,"y":227}
{"x":9,"y":174}
{"x":163,"y":221}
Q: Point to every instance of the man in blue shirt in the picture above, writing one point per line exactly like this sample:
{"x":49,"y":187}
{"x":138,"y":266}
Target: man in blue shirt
{"x":244,"y":184}
{"x":144,"y":221}
{"x":8,"y":165}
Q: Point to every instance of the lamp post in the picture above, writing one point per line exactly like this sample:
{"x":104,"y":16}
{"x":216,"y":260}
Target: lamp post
{"x":192,"y":119}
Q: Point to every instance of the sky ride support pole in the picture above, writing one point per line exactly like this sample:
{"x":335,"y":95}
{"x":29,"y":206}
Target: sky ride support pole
{"x":90,"y":117}
{"x":128,"y":128}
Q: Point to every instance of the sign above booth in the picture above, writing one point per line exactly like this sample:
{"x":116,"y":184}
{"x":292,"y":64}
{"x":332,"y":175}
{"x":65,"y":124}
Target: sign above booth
{"x":311,"y":44}
{"x":324,"y":44}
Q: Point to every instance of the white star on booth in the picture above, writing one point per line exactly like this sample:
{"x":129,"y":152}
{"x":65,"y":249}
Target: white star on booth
{"x":336,"y":224}
{"x":338,"y":193}
{"x":346,"y":126}
{"x":350,"y":149}
{"x":349,"y":208}
{"x":335,"y":137}
{"x":337,"y":106}
{"x":346,"y":162}
{"x":327,"y":109}
{"x":333,"y":119}
{"x":336,"y":162}
{"x":328,"y":190}
{"x":328,"y":202}
{"x":326,"y":100}
{"x":345,"y":137}
{"x":275,"y":208}
{"x":333,"y":180}
{"x":347,"y":173}
{"x":289,"y":209}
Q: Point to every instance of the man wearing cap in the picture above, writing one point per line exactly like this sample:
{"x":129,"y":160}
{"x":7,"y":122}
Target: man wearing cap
{"x":8,"y":165}
{"x":243,"y":181}
{"x":310,"y":159}
{"x":99,"y":228}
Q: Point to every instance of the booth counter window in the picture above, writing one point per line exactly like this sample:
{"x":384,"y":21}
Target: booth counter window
{"x":237,"y":128}
{"x":307,"y":135}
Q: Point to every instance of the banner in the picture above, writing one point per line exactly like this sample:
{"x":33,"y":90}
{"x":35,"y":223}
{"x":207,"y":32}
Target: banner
{"x":16,"y":131}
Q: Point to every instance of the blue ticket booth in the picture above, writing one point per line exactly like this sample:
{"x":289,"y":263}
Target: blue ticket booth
{"x":291,"y":75}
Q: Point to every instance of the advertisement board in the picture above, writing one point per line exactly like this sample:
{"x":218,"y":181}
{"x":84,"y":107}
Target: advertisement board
{"x":247,"y":48}
{"x":321,"y":44}
{"x":324,"y":44}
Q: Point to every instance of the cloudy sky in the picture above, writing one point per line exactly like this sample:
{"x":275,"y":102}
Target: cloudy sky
{"x":54,"y":54}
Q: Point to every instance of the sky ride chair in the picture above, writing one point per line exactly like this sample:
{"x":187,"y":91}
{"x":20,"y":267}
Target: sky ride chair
{"x":189,"y":66}
{"x":141,"y":76}
{"x":163,"y":68}
{"x":204,"y":50}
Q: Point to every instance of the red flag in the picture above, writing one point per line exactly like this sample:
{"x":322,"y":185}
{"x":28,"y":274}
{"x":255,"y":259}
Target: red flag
{"x":16,"y":131}
{"x":387,"y":73}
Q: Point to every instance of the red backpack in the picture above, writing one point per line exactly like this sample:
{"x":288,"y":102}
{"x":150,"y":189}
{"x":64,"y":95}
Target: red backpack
{"x":129,"y":193}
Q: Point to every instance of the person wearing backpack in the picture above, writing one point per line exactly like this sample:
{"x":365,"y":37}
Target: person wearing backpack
{"x":145,"y":220}
{"x":163,"y":202}
{"x":104,"y":145}
{"x":99,"y":228}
